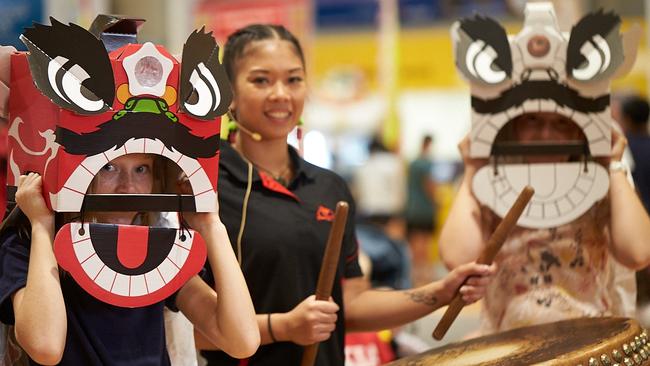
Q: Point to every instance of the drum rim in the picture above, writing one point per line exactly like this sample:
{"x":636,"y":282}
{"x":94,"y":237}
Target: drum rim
{"x":626,"y":341}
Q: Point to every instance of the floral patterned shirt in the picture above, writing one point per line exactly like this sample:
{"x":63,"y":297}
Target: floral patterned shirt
{"x":548,"y":275}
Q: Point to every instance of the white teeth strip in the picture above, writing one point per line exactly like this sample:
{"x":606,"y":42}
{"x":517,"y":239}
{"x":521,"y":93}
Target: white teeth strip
{"x":153,"y":146}
{"x":133,"y":146}
{"x":564,"y":110}
{"x":154,"y":280}
{"x":547,"y":105}
{"x":487,"y":132}
{"x":480,"y":149}
{"x":138,"y":286}
{"x":178,"y":255}
{"x":105,"y":278}
{"x":189,"y":165}
{"x":70,"y":198}
{"x":172,"y":154}
{"x":93,"y":164}
{"x":543,"y":173}
{"x":514,"y":111}
{"x":84,"y":250}
{"x":92,"y":266}
{"x":79,"y":180}
{"x":563,"y":191}
{"x":121,"y":285}
{"x":535,"y":210}
{"x":114,"y":153}
{"x":593,"y":132}
{"x":581,"y":119}
{"x":168,"y":270}
{"x":187,"y":243}
{"x":126,"y":285}
{"x":592,"y":125}
{"x":531,"y":106}
{"x":76,"y":234}
{"x":67,"y":200}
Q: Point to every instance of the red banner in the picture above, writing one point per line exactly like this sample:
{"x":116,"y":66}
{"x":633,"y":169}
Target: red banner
{"x":226,"y":16}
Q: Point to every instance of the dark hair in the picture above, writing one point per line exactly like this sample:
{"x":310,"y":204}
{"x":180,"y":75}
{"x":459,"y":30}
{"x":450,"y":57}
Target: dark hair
{"x":636,"y":110}
{"x":16,"y":221}
{"x":426,"y":141}
{"x":377,"y":145}
{"x":240,"y":39}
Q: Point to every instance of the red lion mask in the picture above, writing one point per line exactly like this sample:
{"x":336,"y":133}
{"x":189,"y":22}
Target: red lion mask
{"x":74,"y":107}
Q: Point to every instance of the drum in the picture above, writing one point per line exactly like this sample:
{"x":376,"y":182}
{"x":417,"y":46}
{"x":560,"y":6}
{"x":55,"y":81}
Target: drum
{"x":585,"y":341}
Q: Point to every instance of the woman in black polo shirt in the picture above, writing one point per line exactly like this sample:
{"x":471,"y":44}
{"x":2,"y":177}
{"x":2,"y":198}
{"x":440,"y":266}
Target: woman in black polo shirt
{"x":278,"y":209}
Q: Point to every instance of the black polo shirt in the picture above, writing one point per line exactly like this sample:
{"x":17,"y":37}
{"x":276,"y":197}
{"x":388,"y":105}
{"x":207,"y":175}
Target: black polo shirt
{"x":283,"y":243}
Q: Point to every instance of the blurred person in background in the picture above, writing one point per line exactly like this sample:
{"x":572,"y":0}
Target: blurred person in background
{"x":633,"y":116}
{"x":634,"y":112}
{"x":379,"y":190}
{"x":420,"y":212}
{"x":379,"y":185}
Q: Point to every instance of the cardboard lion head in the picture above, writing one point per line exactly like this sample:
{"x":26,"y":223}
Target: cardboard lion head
{"x":75,"y":106}
{"x":542,"y":70}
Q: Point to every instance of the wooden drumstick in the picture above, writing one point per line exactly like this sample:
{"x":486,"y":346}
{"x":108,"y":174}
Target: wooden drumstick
{"x":328,"y":270}
{"x":493,"y":245}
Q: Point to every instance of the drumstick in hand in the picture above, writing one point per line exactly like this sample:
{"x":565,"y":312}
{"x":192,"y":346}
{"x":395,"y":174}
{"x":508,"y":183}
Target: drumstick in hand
{"x":328,"y":270}
{"x":493,"y":245}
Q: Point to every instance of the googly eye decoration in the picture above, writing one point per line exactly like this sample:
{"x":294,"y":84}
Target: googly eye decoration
{"x":594,"y":48}
{"x":204,"y":87}
{"x":482,"y":50}
{"x":74,"y":75}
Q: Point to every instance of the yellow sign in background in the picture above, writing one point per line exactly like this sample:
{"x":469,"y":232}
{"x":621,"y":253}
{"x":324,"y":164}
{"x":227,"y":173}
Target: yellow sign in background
{"x":425,"y":58}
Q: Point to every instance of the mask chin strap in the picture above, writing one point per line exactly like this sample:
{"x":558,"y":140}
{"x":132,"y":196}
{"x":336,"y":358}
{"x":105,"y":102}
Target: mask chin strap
{"x":82,"y":218}
{"x":586,"y":155}
{"x":183,"y":226}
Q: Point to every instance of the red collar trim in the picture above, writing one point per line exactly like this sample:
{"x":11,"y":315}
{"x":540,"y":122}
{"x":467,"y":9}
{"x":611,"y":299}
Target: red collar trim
{"x":270,"y":183}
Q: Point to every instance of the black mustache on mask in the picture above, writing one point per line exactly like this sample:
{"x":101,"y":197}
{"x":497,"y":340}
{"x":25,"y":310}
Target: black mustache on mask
{"x":540,"y":89}
{"x":136,"y":125}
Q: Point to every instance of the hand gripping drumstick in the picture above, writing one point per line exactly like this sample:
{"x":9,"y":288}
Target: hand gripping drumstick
{"x":328,"y":270}
{"x":493,"y":245}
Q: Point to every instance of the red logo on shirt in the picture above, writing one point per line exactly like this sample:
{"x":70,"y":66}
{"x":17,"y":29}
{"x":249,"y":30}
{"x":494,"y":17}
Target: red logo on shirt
{"x":324,"y":214}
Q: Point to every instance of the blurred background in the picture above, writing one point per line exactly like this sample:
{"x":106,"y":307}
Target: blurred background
{"x":381,"y":78}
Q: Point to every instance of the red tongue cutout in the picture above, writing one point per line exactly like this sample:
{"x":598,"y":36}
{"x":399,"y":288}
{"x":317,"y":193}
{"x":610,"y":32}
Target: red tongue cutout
{"x":132,"y":245}
{"x":77,"y":255}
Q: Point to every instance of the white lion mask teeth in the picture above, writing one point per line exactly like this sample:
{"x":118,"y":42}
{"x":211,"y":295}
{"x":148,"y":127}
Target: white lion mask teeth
{"x":542,"y":71}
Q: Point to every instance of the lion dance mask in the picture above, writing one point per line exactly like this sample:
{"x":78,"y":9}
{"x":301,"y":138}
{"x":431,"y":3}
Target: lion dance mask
{"x":541,"y":69}
{"x":74,"y":106}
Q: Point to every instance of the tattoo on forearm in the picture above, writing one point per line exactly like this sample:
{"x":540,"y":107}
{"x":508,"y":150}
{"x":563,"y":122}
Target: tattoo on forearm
{"x":422,"y":297}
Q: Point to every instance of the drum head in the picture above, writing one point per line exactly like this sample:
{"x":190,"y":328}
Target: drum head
{"x":586,"y":341}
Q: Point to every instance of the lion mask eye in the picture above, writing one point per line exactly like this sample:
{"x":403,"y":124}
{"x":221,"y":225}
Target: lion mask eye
{"x":205,"y":90}
{"x":68,"y":85}
{"x":74,"y":75}
{"x":595,"y":48}
{"x":479,"y":61}
{"x":207,"y":96}
{"x":482,"y":50}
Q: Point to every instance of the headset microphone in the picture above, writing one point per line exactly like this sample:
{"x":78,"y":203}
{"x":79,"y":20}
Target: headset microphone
{"x":254,"y":135}
{"x":234,"y":125}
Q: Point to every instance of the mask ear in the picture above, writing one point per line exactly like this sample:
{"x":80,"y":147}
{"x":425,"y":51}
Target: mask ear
{"x":482,"y":50}
{"x":70,"y":66}
{"x":595,"y":49}
{"x":631,"y":40}
{"x":204,"y":87}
